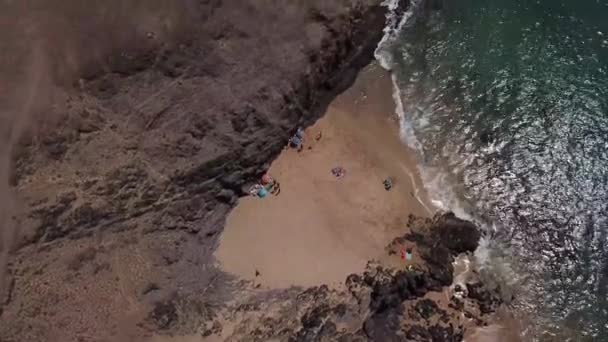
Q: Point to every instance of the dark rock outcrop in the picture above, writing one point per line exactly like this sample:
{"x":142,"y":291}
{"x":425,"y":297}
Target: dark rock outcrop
{"x":488,"y":299}
{"x":379,"y":305}
{"x":159,"y":126}
{"x":438,"y":241}
{"x":152,"y":135}
{"x":201,"y":134}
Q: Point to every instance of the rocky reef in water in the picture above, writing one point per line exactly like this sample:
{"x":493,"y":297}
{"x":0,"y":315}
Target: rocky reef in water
{"x":141,"y":145}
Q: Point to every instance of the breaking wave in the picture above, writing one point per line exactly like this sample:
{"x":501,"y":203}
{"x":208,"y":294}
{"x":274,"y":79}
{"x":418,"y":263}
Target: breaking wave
{"x":505,"y":104}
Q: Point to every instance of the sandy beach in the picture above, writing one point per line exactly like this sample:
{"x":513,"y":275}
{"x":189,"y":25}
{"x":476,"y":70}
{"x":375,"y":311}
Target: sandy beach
{"x":321,"y":228}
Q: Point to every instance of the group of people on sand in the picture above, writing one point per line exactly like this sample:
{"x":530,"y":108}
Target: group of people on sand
{"x":267,"y":185}
{"x":297,"y":142}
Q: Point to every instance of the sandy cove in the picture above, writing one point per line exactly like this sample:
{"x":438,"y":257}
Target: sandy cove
{"x":320,"y":229}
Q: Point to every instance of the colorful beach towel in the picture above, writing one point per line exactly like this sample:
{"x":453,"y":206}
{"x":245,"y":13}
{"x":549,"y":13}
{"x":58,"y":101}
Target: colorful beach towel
{"x":262,"y":192}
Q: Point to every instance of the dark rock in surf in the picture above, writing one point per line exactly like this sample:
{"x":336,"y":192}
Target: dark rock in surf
{"x":488,"y":299}
{"x":486,"y":138}
{"x":459,"y":236}
{"x":439,"y":241}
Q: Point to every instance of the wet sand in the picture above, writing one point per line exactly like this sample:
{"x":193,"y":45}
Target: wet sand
{"x":320,"y":229}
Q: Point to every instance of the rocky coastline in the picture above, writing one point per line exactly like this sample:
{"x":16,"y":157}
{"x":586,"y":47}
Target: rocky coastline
{"x":379,"y":304}
{"x":125,"y":184}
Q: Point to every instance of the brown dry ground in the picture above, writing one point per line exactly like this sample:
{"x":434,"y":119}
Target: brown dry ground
{"x":120,"y":127}
{"x":320,"y":229}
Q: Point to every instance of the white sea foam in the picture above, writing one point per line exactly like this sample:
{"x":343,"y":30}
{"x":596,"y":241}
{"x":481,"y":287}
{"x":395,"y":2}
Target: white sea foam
{"x":433,"y":181}
{"x":391,"y":31}
{"x":439,"y":187}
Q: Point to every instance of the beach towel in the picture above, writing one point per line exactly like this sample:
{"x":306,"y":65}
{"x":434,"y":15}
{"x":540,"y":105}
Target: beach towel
{"x":262,"y":192}
{"x":408,"y":256}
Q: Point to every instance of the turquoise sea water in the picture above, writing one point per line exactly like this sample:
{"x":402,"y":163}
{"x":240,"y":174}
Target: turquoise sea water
{"x":506,"y":102}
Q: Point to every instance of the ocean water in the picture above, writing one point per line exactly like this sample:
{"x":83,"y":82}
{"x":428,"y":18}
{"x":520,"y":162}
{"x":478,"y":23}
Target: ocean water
{"x":506,"y":102}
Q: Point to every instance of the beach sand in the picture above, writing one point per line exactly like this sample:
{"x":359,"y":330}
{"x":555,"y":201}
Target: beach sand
{"x":320,"y":229}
